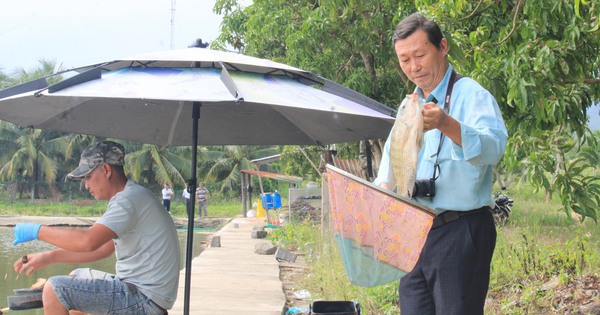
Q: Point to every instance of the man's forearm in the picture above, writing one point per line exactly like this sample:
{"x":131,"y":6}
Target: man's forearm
{"x":76,"y":240}
{"x":63,"y":256}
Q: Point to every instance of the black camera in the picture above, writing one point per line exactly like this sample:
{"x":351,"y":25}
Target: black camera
{"x":424,"y":188}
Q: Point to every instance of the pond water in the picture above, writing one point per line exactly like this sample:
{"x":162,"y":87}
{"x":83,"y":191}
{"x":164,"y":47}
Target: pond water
{"x":9,"y":254}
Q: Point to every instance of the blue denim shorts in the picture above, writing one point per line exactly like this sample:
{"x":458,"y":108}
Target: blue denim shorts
{"x":97,"y":292}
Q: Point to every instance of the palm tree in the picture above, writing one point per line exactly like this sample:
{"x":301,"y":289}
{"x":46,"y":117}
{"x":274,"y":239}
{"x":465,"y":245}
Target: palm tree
{"x":150,"y":164}
{"x":31,"y":154}
{"x":5,"y":80}
{"x":226,"y":167}
{"x":47,"y":67}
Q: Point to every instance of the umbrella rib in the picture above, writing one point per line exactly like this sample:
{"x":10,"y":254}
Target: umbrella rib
{"x":174,"y":123}
{"x":228,"y":81}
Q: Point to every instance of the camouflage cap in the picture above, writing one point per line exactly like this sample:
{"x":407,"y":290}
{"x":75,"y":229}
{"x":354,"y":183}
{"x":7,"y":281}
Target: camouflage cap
{"x":101,"y":152}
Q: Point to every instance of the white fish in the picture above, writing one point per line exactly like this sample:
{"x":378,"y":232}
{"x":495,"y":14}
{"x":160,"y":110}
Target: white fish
{"x":406,"y":142}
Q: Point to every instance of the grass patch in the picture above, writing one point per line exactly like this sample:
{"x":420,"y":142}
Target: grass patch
{"x":92,"y":208}
{"x":542,"y":263}
{"x":82,"y":208}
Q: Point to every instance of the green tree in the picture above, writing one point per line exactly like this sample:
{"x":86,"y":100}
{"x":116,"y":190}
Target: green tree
{"x":539,"y":59}
{"x":4,"y":80}
{"x":225,"y":166}
{"x":149,"y":164}
{"x":32,"y":155}
{"x":46,"y":68}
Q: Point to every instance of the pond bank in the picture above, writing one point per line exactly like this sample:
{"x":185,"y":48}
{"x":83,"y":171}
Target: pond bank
{"x":209,"y":224}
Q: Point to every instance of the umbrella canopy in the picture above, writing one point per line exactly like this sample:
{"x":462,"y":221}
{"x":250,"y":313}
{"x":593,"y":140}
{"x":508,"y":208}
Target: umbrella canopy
{"x":151,"y":100}
{"x":159,"y":98}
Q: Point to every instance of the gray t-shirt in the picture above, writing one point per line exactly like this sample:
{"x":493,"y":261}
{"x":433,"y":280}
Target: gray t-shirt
{"x":147,"y":245}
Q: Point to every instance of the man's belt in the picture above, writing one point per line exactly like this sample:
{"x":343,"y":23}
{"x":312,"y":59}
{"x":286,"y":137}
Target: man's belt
{"x":449,"y":216}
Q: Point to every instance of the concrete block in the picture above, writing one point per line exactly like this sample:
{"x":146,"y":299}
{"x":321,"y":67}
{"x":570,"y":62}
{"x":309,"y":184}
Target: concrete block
{"x":215,"y":241}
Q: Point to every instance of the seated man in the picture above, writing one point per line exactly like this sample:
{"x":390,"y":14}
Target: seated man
{"x":135,"y":227}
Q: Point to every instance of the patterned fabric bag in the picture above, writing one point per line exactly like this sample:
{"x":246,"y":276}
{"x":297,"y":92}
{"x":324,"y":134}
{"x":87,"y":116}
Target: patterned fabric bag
{"x":379,"y":234}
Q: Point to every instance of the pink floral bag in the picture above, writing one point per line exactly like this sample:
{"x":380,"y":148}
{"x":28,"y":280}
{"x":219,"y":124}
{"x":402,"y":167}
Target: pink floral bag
{"x":380,"y":234}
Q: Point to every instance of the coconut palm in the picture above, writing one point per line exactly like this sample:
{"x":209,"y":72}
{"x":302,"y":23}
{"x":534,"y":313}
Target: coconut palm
{"x":46,"y":68}
{"x":227,"y":166}
{"x":5,"y":80}
{"x":31,"y":154}
{"x":150,"y":164}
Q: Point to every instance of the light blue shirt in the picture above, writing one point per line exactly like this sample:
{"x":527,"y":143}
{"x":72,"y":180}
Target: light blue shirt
{"x":466,"y":173}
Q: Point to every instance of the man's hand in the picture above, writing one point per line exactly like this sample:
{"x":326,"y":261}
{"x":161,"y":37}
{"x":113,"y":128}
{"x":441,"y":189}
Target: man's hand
{"x":32,"y":262}
{"x":434,"y":117}
{"x":25,"y":232}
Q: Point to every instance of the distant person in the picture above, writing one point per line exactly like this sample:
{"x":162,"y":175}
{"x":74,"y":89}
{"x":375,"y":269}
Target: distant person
{"x":199,"y":44}
{"x":201,"y":197}
{"x":186,"y":197}
{"x":134,"y":227}
{"x":167,"y":194}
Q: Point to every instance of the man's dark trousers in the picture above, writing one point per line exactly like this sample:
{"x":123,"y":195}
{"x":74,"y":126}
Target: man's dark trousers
{"x":453,"y":271}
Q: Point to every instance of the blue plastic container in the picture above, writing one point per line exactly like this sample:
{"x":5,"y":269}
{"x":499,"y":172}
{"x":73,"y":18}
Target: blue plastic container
{"x":267,"y":201}
{"x":276,"y":200}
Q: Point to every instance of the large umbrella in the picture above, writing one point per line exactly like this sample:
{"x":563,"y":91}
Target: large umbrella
{"x":159,"y":97}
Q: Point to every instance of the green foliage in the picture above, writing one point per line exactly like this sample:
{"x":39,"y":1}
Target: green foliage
{"x":560,"y":165}
{"x":295,"y":236}
{"x":527,"y":262}
{"x":217,"y":207}
{"x":227,"y":162}
{"x":77,"y":208}
{"x":535,"y":247}
{"x":539,"y":59}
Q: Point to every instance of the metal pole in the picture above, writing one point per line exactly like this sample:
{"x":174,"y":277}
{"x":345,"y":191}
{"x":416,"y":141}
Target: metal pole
{"x":190,"y":232}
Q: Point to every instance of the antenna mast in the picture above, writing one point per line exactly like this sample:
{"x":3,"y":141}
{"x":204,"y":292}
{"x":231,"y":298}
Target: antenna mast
{"x":172,"y":23}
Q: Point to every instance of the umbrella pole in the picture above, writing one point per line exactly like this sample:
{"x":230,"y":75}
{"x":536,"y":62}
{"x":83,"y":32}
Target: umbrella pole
{"x":190,"y":231}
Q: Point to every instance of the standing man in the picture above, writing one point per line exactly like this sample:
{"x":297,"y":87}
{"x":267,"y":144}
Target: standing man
{"x":134,"y":227}
{"x":201,"y":197}
{"x":167,"y":194}
{"x":453,"y":271}
{"x":186,"y":197}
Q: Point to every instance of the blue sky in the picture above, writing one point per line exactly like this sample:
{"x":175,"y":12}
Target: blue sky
{"x":594,"y":113}
{"x":81,"y":32}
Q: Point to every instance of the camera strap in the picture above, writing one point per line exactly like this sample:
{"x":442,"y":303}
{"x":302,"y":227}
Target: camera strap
{"x":454,"y":76}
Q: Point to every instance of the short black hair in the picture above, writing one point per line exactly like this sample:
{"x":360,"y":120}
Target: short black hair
{"x":415,"y":22}
{"x":119,"y":170}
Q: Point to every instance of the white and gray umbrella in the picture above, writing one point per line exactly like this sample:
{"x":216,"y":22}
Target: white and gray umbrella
{"x":159,"y":98}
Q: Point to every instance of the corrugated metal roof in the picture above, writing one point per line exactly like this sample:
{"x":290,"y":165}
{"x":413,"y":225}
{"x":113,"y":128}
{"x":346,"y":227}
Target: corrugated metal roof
{"x":287,"y":178}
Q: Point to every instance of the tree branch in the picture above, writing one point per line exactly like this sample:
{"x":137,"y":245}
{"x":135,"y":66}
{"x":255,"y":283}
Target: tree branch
{"x":369,"y":62}
{"x":514,"y":26}
{"x":472,"y":13}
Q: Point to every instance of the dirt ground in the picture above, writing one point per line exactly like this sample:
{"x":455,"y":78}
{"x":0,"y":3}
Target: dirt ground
{"x":580,"y":296}
{"x":290,"y":274}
